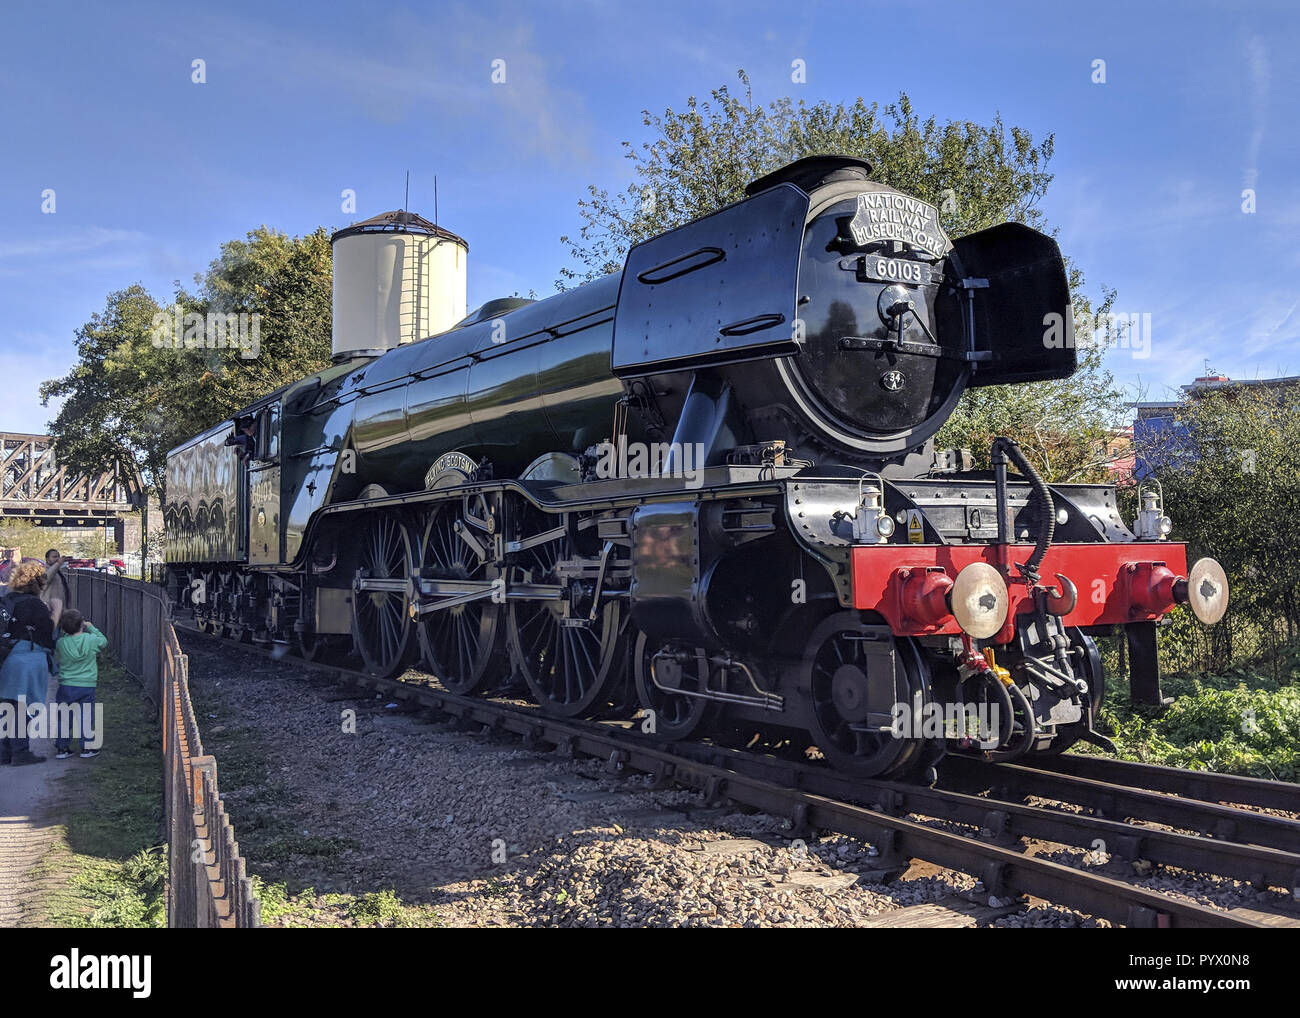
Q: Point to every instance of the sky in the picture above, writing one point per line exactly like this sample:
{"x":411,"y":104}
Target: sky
{"x":151,"y":171}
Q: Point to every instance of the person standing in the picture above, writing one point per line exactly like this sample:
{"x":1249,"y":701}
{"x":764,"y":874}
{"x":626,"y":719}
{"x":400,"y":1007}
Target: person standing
{"x":77,"y":656}
{"x":56,"y":585}
{"x":25,"y":674}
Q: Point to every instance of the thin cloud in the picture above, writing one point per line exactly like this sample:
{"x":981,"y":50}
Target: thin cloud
{"x":62,"y":245}
{"x":435,"y":72}
{"x":1259,"y":78}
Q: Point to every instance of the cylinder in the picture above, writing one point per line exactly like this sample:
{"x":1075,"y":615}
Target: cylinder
{"x":397,"y":279}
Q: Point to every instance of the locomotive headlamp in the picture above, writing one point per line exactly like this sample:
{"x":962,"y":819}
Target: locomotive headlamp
{"x":871,"y":524}
{"x":1152,"y":524}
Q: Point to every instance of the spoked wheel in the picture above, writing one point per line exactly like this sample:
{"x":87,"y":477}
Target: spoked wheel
{"x":382,"y":628}
{"x":676,"y":716}
{"x":570,"y":661}
{"x":839,"y":671}
{"x":460,"y":645}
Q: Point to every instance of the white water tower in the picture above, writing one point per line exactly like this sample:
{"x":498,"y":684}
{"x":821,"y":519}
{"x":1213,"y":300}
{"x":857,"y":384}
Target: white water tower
{"x":398,"y":278}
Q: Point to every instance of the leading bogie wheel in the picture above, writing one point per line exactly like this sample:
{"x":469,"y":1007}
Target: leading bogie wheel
{"x":665,"y":679}
{"x":849,"y":724}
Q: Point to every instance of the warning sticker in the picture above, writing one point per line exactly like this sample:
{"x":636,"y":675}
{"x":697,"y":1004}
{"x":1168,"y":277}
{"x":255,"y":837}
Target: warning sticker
{"x":915,"y":528}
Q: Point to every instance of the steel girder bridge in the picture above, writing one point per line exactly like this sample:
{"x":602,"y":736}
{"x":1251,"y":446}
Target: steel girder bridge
{"x":33,"y":486}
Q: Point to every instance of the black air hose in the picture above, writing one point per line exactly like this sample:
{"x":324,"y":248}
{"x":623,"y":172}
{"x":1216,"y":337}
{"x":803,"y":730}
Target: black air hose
{"x":1046,"y":506}
{"x":1017,"y":695}
{"x":1004,"y":705}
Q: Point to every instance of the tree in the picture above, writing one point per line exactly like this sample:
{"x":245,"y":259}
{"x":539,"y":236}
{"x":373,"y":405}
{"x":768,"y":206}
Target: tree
{"x":148,"y":377}
{"x":287,"y":281}
{"x":1063,"y":425}
{"x":1229,"y":467}
{"x":118,"y":407}
{"x":977,"y":176}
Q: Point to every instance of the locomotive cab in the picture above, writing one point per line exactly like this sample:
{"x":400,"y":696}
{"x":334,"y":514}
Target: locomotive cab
{"x":262,"y":471}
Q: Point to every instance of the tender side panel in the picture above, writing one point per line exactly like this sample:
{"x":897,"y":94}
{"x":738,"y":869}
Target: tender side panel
{"x":203,"y":514}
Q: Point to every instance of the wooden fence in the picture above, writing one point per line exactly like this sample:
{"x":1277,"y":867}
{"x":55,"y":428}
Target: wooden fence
{"x":207,"y":885}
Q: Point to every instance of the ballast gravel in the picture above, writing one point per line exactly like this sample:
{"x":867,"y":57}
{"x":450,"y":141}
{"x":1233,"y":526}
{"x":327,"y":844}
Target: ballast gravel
{"x":345,"y":795}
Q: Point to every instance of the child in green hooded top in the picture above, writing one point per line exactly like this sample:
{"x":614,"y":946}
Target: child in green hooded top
{"x":77,"y":652}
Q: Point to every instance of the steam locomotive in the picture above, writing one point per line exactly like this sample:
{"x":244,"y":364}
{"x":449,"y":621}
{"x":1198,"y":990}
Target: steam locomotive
{"x":704,"y":489}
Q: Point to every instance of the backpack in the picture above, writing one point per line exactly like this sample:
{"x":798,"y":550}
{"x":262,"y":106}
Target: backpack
{"x":11,"y":630}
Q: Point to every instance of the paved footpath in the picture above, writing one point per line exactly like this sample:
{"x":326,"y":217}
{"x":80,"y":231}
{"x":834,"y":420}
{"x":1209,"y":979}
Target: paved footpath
{"x":31,"y":807}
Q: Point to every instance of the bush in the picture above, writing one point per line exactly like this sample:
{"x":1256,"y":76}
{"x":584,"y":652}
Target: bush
{"x":1240,"y":722}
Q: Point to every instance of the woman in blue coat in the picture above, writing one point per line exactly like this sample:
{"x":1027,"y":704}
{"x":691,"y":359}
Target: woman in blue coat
{"x":25,"y":674}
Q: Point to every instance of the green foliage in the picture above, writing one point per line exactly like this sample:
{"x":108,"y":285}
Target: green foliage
{"x":36,"y":540}
{"x":978,"y":175}
{"x":276,"y":901}
{"x":135,"y":896}
{"x":1250,"y":727}
{"x":119,"y":405}
{"x":380,"y":908}
{"x":286,"y":280}
{"x":306,"y":908}
{"x":1230,"y":471}
{"x":129,"y":400}
{"x":1060,"y":424}
{"x":703,"y":157}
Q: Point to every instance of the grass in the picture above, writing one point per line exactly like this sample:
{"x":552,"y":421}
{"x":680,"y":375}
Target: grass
{"x":109,"y":868}
{"x":306,"y":908}
{"x":1242,"y":721}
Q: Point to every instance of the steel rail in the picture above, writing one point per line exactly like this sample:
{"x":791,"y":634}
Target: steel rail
{"x":1005,"y":781}
{"x":1207,"y":786}
{"x":1258,"y":865}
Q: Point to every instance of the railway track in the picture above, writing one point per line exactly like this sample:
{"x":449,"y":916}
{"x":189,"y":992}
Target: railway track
{"x":958,"y":824}
{"x":1123,"y":800}
{"x":1204,"y":785}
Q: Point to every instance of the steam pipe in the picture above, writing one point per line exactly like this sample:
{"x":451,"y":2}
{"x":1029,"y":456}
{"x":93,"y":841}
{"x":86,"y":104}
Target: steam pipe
{"x":1004,"y":449}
